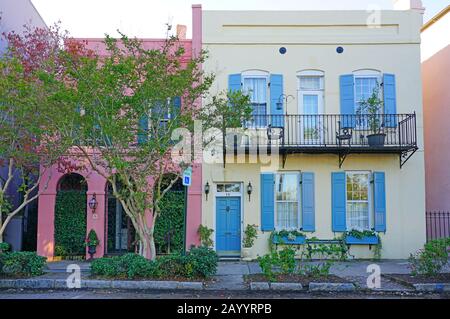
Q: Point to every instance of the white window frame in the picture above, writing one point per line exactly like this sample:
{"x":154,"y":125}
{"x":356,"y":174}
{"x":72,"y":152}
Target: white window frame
{"x":321,"y":103}
{"x":370,"y":197}
{"x":299,"y":208}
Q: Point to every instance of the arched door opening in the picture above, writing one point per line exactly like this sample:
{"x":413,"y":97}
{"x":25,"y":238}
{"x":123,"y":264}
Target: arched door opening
{"x":120,"y":234}
{"x":70,"y":217}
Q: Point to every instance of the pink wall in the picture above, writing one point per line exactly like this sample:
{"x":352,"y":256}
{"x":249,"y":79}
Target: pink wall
{"x":194,"y":208}
{"x":46,"y":210}
{"x":436,"y":95}
{"x":97,"y":184}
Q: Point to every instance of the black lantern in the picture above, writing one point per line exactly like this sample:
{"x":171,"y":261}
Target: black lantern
{"x":249,"y":190}
{"x":206,"y":190}
{"x":93,"y":203}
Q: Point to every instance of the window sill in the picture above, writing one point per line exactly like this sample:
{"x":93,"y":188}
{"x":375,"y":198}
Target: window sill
{"x":367,"y":240}
{"x":299,"y":240}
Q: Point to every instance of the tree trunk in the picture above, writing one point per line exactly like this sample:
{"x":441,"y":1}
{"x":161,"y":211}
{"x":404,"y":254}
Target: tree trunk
{"x":146,"y":238}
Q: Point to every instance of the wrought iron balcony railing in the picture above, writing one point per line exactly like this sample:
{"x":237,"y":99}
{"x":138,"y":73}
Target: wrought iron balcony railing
{"x":334,"y":133}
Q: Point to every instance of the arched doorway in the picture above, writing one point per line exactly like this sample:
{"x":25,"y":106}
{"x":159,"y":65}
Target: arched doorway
{"x":119,"y":231}
{"x":70,"y":217}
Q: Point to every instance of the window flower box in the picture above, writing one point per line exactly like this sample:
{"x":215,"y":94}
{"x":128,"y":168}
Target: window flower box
{"x":284,"y":240}
{"x":366,"y":240}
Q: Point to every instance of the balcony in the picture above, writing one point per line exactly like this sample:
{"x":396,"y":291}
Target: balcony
{"x":329,"y":134}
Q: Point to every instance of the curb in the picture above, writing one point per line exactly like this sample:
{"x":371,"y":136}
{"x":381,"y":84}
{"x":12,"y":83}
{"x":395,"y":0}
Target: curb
{"x":432,"y":287}
{"x":100,"y":284}
{"x":286,"y":286}
{"x":327,"y":286}
{"x":427,"y":287}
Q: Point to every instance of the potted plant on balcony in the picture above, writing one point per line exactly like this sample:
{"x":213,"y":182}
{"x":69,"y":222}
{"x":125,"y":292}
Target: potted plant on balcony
{"x":250,"y":234}
{"x":92,"y":243}
{"x":372,"y":108}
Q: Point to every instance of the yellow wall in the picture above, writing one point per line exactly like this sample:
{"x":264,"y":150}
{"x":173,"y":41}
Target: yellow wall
{"x":239,"y":41}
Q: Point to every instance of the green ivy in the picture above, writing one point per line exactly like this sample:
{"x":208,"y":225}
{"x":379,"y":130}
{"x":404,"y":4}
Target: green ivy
{"x":170,"y":223}
{"x":70,"y":223}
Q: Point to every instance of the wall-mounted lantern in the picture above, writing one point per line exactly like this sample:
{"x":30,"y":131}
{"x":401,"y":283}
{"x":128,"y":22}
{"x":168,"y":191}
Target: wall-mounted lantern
{"x":249,"y":190}
{"x":207,"y":190}
{"x":93,"y":203}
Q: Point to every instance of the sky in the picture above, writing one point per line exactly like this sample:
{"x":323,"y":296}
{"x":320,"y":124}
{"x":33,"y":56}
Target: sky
{"x":147,"y":18}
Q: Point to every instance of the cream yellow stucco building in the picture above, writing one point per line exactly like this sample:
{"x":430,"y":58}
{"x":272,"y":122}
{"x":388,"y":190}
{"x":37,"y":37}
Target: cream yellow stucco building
{"x":312,"y":69}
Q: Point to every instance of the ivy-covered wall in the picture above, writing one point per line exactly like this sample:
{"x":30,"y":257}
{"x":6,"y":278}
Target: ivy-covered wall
{"x":169,"y":225}
{"x":70,"y":223}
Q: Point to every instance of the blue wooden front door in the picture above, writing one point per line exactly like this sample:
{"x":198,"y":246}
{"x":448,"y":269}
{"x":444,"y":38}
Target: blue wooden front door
{"x":228,"y":225}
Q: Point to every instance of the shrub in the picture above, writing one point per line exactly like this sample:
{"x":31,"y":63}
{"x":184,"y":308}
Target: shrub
{"x":106,"y":267}
{"x":135,"y":266}
{"x":205,"y":235}
{"x":286,"y":260}
{"x":201,"y":262}
{"x":22,"y":263}
{"x":431,"y":259}
{"x":251,"y":233}
{"x":4,"y":247}
{"x":268,"y":263}
{"x":171,"y":265}
{"x":198,"y":263}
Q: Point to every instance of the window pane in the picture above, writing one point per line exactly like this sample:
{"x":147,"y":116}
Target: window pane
{"x":287,"y":215}
{"x":286,"y":187}
{"x":256,"y":88}
{"x":220,"y":188}
{"x":357,"y":215}
{"x":233,"y":188}
{"x":310,"y":83}
{"x":357,"y":200}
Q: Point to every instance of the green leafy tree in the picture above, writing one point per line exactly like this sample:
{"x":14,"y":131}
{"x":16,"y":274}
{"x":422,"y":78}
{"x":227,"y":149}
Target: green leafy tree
{"x":31,"y":115}
{"x":129,"y":112}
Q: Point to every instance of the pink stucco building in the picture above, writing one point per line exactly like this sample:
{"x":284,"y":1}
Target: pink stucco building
{"x":96,"y":184}
{"x":436,"y":109}
{"x":436,"y":99}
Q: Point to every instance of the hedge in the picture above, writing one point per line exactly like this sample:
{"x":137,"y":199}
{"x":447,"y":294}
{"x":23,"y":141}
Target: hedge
{"x":199,"y":262}
{"x":21,"y":264}
{"x":70,"y":223}
{"x":170,"y":223}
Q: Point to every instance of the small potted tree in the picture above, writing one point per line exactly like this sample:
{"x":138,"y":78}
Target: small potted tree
{"x":372,"y":107}
{"x":92,"y":243}
{"x":250,"y":234}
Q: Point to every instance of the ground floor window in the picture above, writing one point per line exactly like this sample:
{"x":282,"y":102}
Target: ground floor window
{"x":358,"y":200}
{"x":287,"y":199}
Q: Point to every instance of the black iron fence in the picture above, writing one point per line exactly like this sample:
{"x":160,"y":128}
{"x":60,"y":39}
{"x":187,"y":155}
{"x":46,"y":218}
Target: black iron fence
{"x":438,"y":225}
{"x":336,"y":130}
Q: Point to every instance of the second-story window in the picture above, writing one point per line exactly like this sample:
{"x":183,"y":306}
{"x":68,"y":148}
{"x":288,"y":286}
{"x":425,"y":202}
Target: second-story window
{"x":366,"y":82}
{"x":256,"y":88}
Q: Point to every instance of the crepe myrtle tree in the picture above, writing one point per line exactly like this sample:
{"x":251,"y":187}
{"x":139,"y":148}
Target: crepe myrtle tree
{"x":131,"y":100}
{"x":31,"y":108}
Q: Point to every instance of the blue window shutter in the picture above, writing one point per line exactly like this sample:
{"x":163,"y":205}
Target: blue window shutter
{"x":379,"y":201}
{"x":347,"y":91}
{"x":234,"y":82}
{"x":276,"y":90}
{"x":176,"y":106}
{"x":143,"y":130}
{"x":308,"y":206}
{"x":390,"y":100}
{"x":338,"y":202}
{"x":267,"y":201}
